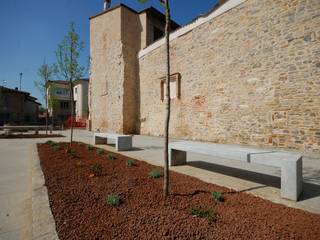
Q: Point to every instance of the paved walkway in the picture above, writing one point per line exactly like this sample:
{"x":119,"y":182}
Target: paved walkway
{"x":15,"y":190}
{"x":16,"y":156}
{"x":16,"y":178}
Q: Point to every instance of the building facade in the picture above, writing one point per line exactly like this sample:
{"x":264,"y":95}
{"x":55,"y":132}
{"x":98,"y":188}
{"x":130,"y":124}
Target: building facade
{"x":248,"y":72}
{"x":80,"y":93}
{"x":18,"y":107}
{"x":59,"y":100}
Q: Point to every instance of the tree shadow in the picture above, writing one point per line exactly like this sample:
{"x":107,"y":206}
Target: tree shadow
{"x":310,"y":190}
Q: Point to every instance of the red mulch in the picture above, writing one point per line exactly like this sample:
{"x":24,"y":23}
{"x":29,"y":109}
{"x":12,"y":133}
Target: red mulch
{"x":15,"y":136}
{"x":79,"y":205}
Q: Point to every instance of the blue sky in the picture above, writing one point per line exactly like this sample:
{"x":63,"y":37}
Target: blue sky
{"x":30,"y":31}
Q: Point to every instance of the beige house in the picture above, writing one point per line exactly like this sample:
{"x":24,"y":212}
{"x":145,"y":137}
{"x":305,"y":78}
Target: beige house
{"x":245,"y":73}
{"x":80,"y":96}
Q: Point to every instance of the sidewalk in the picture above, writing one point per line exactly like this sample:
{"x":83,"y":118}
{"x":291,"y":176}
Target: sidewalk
{"x":16,"y":156}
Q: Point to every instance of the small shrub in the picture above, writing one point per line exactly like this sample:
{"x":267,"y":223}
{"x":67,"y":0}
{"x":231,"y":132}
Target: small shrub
{"x":111,"y":157}
{"x":72,"y":152}
{"x":56,"y":147}
{"x":217,"y":196}
{"x":100,"y":151}
{"x":203,"y":213}
{"x":155,"y":173}
{"x":50,"y":142}
{"x":89,"y":147}
{"x":96,"y":169}
{"x":130,"y":162}
{"x":113,"y":200}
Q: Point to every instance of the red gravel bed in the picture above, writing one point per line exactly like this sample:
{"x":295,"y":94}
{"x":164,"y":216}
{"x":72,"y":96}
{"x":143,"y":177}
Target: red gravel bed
{"x":79,"y":203}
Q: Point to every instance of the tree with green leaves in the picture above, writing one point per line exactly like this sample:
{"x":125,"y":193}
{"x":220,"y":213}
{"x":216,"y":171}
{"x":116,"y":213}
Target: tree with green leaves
{"x":45,"y":72}
{"x":165,"y":3}
{"x":52,"y":102}
{"x":68,"y":66}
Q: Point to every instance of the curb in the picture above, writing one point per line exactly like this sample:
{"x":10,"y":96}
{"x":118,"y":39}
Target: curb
{"x":43,"y":225}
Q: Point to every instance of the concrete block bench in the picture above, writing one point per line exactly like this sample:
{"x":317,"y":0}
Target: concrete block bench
{"x":123,"y":142}
{"x":10,"y":129}
{"x":289,"y":163}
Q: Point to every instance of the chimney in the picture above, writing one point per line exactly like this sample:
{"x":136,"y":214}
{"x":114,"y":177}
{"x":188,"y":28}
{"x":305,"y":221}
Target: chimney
{"x":106,"y":4}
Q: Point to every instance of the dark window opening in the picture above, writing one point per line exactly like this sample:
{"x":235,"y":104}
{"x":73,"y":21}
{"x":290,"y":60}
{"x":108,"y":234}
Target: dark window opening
{"x":157,"y":33}
{"x":64,"y":105}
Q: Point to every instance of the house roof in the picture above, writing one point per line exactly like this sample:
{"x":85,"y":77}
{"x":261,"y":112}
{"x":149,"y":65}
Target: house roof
{"x":59,"y":82}
{"x":64,"y":82}
{"x":150,"y":10}
{"x":27,"y":94}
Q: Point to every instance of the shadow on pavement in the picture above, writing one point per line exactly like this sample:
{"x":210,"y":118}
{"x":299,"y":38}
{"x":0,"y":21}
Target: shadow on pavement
{"x":310,"y":190}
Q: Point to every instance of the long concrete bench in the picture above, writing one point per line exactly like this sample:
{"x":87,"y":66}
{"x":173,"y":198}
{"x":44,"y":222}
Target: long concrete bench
{"x":289,"y":163}
{"x":10,"y":128}
{"x":123,"y":142}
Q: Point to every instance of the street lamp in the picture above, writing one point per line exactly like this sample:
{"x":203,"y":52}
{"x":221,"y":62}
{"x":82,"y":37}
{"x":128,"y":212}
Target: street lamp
{"x":20,"y":80}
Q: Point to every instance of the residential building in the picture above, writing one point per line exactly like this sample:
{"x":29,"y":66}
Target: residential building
{"x":81,"y":88}
{"x":245,"y":73}
{"x":18,"y":107}
{"x":59,"y":100}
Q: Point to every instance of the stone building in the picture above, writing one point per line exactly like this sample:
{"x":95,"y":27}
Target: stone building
{"x":18,"y":107}
{"x":248,"y":72}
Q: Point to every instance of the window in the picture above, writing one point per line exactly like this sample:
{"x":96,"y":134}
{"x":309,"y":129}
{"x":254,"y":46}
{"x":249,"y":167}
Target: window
{"x":157,"y":34}
{"x":174,"y":86}
{"x":64,"y":105}
{"x":62,"y":91}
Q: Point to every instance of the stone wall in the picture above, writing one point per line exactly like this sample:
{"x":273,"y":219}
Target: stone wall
{"x":249,"y":76}
{"x":107,"y":71}
{"x":131,"y":44}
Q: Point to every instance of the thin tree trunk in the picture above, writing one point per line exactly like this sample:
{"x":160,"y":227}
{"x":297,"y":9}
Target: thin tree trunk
{"x":52,"y":122}
{"x":47,"y":121}
{"x":168,"y":102}
{"x":72,"y":111}
{"x":47,"y":112}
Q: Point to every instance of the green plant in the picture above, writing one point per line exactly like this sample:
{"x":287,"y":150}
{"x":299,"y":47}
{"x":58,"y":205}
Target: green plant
{"x":203,"y":213}
{"x":96,"y":169}
{"x":56,"y":147}
{"x":50,"y":142}
{"x":89,"y":147}
{"x":130,"y":162}
{"x":72,"y":152}
{"x":155,"y":173}
{"x":113,"y":200}
{"x":111,"y":157}
{"x":217,"y":196}
{"x":100,"y":151}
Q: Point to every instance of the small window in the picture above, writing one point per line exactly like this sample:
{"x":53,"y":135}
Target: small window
{"x":174,"y":86}
{"x":64,"y":105}
{"x":157,"y":34}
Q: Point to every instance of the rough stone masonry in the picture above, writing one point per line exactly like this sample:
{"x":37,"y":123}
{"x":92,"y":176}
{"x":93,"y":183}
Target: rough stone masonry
{"x":248,"y":76}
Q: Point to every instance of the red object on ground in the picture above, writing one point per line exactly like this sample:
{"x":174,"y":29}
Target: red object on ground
{"x":80,"y":123}
{"x":80,"y":209}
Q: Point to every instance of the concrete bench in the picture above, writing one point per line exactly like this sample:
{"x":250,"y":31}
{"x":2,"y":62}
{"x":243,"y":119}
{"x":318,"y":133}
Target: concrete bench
{"x":123,"y":142}
{"x":10,"y":129}
{"x":289,"y":163}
